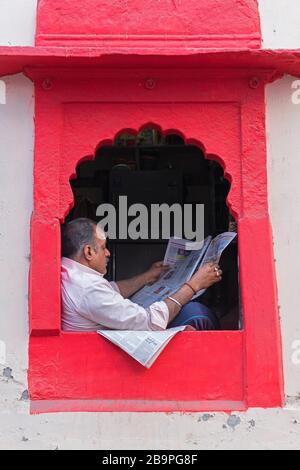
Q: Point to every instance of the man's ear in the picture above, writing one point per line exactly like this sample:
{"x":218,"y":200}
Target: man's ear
{"x":87,"y":252}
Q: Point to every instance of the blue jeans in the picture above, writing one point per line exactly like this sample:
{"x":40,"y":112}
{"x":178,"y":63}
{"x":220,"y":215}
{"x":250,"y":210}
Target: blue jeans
{"x":196,"y":315}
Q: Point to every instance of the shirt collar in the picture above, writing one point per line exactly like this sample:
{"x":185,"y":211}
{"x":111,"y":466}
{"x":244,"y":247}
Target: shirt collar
{"x":70,"y":263}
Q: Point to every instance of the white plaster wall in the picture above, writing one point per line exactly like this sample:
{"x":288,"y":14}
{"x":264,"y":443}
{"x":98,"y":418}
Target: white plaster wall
{"x":280,"y":23}
{"x":16,"y":187}
{"x":254,"y":429}
{"x":283,"y":143}
{"x":17,"y":22}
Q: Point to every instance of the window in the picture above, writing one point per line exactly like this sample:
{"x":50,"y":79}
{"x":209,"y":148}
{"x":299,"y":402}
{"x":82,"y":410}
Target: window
{"x":152,"y":169}
{"x":217,"y":115}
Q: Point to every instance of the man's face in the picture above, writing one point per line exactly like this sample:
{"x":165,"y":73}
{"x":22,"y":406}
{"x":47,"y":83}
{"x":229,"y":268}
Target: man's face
{"x":100,"y":257}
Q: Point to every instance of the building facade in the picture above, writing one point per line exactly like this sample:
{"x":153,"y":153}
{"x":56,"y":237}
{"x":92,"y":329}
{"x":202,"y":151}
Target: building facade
{"x":262,"y":392}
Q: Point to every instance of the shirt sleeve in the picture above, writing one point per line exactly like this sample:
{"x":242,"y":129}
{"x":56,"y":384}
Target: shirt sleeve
{"x":115,"y":286}
{"x":102,"y":304}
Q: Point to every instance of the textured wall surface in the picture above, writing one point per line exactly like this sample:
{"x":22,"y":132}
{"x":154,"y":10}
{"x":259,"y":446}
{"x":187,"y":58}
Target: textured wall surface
{"x":283,"y":125}
{"x":93,"y":22}
{"x":16,"y":169}
{"x":254,"y":429}
{"x":17,"y":22}
{"x":280,"y":23}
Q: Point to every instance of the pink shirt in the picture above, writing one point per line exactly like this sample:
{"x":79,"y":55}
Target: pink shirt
{"x":90,"y":303}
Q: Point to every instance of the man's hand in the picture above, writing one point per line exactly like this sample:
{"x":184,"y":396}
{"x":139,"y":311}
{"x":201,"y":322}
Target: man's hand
{"x":128,"y":287}
{"x":156,"y":270}
{"x":206,"y":276}
{"x":189,"y":328}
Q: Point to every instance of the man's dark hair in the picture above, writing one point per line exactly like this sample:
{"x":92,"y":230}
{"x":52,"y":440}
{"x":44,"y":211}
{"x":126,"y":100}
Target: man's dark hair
{"x":76,"y":234}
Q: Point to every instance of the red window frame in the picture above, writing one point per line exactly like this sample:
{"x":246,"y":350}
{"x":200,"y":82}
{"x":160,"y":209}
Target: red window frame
{"x":222,"y":112}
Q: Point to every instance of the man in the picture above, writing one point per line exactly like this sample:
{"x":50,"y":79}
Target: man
{"x":90,"y":302}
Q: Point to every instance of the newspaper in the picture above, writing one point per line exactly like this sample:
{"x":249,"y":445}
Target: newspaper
{"x":214,"y":251}
{"x":144,"y":346}
{"x":184,"y":258}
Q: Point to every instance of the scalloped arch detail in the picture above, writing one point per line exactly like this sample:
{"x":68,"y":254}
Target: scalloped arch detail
{"x":188,"y":141}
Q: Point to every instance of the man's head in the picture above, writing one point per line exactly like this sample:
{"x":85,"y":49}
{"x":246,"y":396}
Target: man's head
{"x":84,"y":241}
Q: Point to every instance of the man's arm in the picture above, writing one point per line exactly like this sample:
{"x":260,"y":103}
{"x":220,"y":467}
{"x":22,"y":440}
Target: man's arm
{"x":203,"y":278}
{"x":128,"y":287}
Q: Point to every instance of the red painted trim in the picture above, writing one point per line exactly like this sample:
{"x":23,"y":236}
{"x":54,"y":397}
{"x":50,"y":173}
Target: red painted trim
{"x":224,"y":114}
{"x":136,"y":23}
{"x":262,"y":332}
{"x":57,"y":406}
{"x":42,"y":269}
{"x":85,"y":366}
{"x":18,"y":59}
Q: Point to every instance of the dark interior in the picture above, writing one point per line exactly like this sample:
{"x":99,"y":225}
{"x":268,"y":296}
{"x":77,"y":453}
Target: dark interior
{"x":149,"y":168}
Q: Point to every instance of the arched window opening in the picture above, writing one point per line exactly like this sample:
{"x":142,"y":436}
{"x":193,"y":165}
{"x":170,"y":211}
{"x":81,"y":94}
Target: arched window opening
{"x":152,"y":168}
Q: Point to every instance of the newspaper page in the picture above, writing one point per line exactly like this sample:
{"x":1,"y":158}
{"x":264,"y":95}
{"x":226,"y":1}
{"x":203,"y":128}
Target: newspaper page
{"x":214,"y":252}
{"x":144,"y":346}
{"x":183,"y":257}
